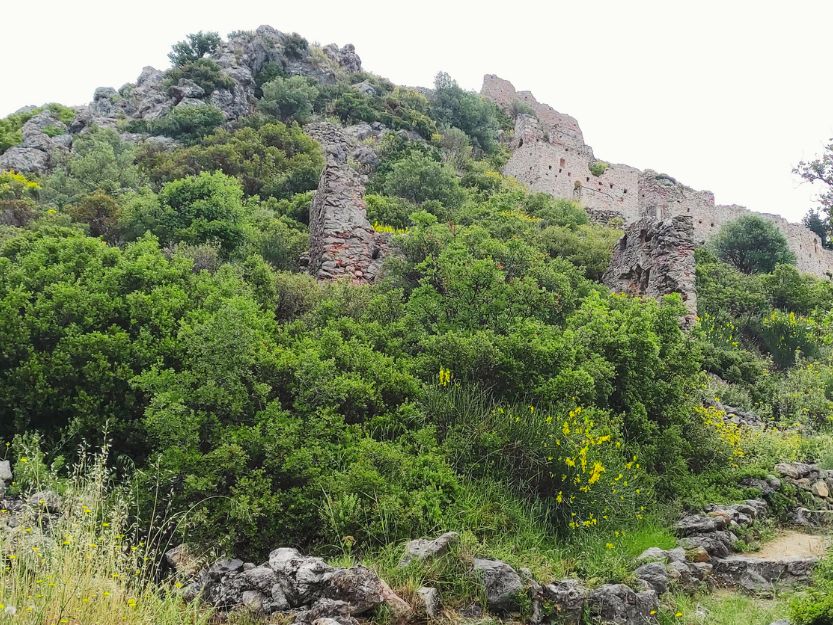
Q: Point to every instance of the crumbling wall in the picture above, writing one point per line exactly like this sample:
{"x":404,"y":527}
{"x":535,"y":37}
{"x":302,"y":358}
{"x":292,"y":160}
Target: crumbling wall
{"x":549,"y":155}
{"x":656,"y":258}
{"x":343,"y":243}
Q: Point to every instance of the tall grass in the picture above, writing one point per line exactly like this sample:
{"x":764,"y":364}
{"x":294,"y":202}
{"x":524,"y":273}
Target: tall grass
{"x":88,"y":564}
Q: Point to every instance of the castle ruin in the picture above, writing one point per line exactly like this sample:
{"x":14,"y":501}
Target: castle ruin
{"x":549,"y":155}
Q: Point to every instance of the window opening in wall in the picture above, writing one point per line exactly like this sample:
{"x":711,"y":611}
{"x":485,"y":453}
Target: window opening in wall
{"x":520,"y":143}
{"x":587,"y":179}
{"x":550,"y":167}
{"x":625,"y":191}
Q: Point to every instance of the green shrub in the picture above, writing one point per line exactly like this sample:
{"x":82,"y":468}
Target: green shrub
{"x":752,"y":244}
{"x":188,"y":123}
{"x":417,"y":178}
{"x":478,"y":117}
{"x":205,"y":72}
{"x":597,"y":168}
{"x":814,"y":606}
{"x":194,"y":47}
{"x":10,"y":126}
{"x":288,"y":99}
{"x":269,"y":160}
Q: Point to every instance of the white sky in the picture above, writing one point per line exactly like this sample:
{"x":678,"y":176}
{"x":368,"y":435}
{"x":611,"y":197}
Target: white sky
{"x":724,"y":95}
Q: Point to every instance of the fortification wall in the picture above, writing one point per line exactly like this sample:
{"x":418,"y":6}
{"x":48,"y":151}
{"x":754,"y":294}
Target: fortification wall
{"x":549,"y":155}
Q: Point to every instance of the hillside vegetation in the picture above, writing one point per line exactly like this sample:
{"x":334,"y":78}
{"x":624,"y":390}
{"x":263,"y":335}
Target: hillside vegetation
{"x":153,"y":298}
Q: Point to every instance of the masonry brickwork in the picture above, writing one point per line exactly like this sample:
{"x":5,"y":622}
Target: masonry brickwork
{"x":549,"y":155}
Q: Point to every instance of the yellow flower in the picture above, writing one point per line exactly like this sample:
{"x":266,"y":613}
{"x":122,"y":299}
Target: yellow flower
{"x":678,"y":614}
{"x":131,"y":603}
{"x":609,"y":545}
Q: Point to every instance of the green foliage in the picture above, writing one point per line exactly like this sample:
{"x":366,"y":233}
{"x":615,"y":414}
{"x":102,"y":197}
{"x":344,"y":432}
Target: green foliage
{"x":17,"y":198}
{"x":479,"y":118}
{"x":100,"y":211}
{"x":418,"y":179}
{"x":187,"y":123}
{"x":814,"y":606}
{"x":597,"y":168}
{"x":817,"y":223}
{"x":295,"y":46}
{"x":202,"y":208}
{"x":788,"y":334}
{"x":269,"y":160}
{"x":390,"y":211}
{"x":288,"y":99}
{"x":194,"y":47}
{"x":204,"y":72}
{"x":752,"y":244}
{"x":100,"y":162}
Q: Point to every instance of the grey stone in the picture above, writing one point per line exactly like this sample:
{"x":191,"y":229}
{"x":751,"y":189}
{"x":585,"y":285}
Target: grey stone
{"x":654,"y":575}
{"x":719,"y":544}
{"x":567,"y":598}
{"x":699,"y":524}
{"x":46,"y":500}
{"x":502,"y":583}
{"x":6,"y":471}
{"x":421,"y":548}
{"x":186,"y":88}
{"x":182,"y":561}
{"x":430,"y":599}
{"x":796,"y":470}
{"x":619,"y":604}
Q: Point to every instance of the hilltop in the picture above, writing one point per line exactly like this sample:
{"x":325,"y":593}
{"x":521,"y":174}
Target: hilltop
{"x":353,"y":351}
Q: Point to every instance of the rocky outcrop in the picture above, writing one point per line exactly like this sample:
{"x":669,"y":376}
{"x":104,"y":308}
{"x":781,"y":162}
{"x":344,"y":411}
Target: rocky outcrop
{"x":655,"y":258}
{"x":45,"y":139}
{"x":343,"y":243}
{"x":815,"y":486}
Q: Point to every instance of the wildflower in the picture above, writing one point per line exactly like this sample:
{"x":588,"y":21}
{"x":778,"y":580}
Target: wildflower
{"x":678,"y":614}
{"x":131,"y":603}
{"x":609,"y":546}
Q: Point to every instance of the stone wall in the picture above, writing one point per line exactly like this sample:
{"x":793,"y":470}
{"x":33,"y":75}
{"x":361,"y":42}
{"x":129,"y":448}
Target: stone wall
{"x":343,"y":243}
{"x":549,"y":155}
{"x":655,"y":258}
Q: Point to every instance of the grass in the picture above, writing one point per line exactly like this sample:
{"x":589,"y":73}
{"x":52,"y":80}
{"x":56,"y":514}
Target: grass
{"x":723,"y":608}
{"x":88,"y":565}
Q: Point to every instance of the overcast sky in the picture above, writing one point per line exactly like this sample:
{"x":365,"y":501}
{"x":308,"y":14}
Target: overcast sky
{"x":726,"y":96}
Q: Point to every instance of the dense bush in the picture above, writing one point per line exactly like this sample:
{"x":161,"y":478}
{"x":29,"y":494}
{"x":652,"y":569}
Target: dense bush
{"x":269,"y":160}
{"x":479,"y":118}
{"x":100,"y":162}
{"x":194,"y":47}
{"x":204,"y":72}
{"x":187,"y":123}
{"x":288,"y":99}
{"x":752,"y":244}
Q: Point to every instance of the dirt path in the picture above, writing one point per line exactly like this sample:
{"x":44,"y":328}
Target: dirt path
{"x":792,"y":544}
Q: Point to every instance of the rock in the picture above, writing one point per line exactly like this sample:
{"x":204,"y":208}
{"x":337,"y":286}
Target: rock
{"x":654,"y":575}
{"x":819,"y":489}
{"x":346,"y":57}
{"x":46,"y":500}
{"x":699,"y":524}
{"x":619,"y":604}
{"x":25,"y":160}
{"x":656,"y":258}
{"x":182,"y":561}
{"x":363,"y":591}
{"x":719,"y":544}
{"x":6,"y":471}
{"x":757,"y":575}
{"x":652,"y":554}
{"x":430,"y":599}
{"x":364,"y":87}
{"x":796,"y":470}
{"x":326,"y":611}
{"x":186,"y":88}
{"x":567,"y":598}
{"x":697,"y":554}
{"x":502,"y":583}
{"x":422,"y":549}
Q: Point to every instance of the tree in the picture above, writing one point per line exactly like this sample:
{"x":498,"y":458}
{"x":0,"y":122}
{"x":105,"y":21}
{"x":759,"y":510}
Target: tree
{"x":288,"y":98}
{"x":418,"y":178}
{"x":820,"y":170}
{"x":100,"y":161}
{"x":194,"y":47}
{"x":818,"y":223}
{"x":753,"y":245}
{"x":471,"y":113}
